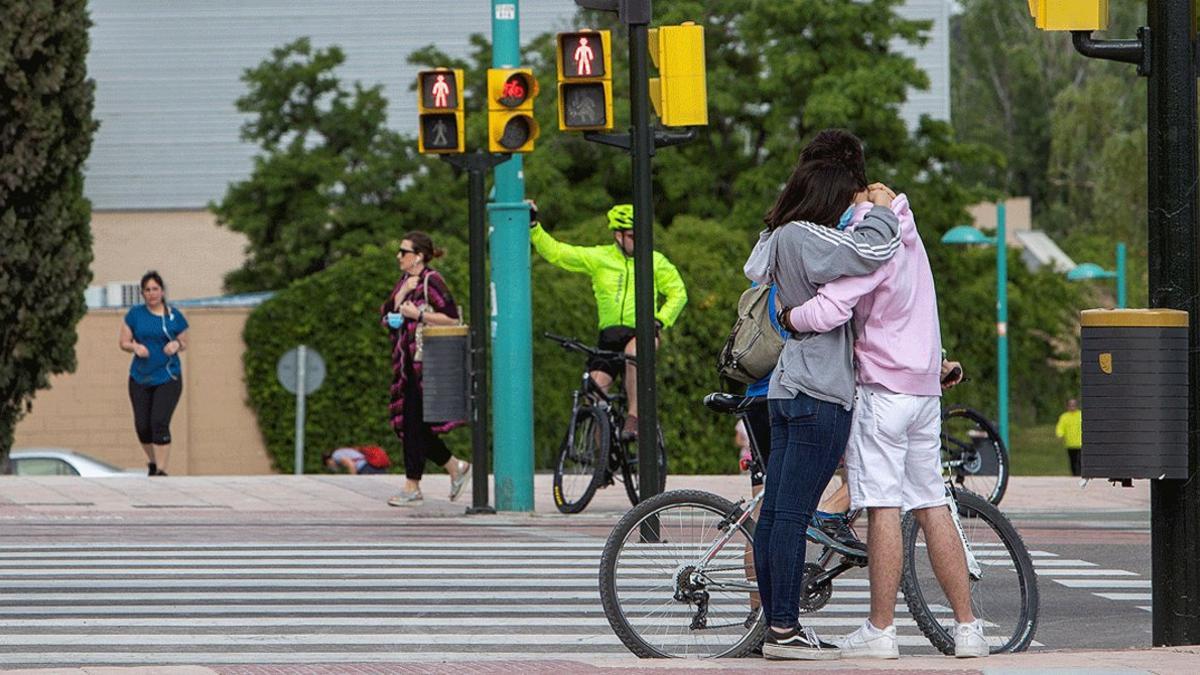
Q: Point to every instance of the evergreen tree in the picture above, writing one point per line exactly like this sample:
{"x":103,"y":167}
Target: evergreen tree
{"x":46,"y":132}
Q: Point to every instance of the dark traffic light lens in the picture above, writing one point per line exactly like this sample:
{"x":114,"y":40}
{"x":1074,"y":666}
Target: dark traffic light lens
{"x":516,"y":90}
{"x":583,"y":105}
{"x":516,"y":133}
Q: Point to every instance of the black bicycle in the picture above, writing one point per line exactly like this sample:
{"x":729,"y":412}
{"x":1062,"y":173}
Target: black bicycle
{"x":594,"y":454}
{"x":973,"y":453}
{"x":676,"y":579}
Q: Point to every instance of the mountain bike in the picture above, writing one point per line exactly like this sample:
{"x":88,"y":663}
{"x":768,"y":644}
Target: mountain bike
{"x":594,"y":453}
{"x":973,"y":453}
{"x":675,"y":580}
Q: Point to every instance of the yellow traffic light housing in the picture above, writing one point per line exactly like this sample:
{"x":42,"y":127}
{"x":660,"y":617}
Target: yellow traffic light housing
{"x":1070,"y":14}
{"x":585,"y":81}
{"x":679,"y":93}
{"x":511,"y":125}
{"x":440,"y":127}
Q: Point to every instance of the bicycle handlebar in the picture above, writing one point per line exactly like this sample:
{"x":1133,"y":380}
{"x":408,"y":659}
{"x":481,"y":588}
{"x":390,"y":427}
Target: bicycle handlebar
{"x":571,"y":344}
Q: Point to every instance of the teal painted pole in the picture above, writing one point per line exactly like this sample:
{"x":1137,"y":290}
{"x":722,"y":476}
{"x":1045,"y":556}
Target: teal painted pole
{"x":512,"y":324}
{"x":1002,"y":321}
{"x":1121,"y":275}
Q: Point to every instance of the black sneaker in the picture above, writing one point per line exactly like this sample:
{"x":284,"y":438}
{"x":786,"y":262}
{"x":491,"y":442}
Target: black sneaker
{"x":838,"y":528}
{"x":799,"y":643}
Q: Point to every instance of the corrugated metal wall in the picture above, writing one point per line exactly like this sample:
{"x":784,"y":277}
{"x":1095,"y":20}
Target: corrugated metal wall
{"x":168,"y":71}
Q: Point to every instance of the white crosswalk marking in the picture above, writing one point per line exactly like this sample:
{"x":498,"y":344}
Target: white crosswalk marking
{"x":1068,"y":576}
{"x":83,"y":604}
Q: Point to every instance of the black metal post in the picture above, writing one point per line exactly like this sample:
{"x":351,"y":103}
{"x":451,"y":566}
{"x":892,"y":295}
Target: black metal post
{"x":477,"y":239}
{"x":642,"y":149}
{"x":1174,"y":252}
{"x":477,"y":164}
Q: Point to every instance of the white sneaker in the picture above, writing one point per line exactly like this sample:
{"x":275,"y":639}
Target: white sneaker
{"x":868,"y":643}
{"x":969,"y":641}
{"x":406,"y":498}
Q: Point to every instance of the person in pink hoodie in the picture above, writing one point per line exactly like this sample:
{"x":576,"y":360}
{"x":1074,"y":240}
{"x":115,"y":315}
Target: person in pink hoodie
{"x":893,"y":459}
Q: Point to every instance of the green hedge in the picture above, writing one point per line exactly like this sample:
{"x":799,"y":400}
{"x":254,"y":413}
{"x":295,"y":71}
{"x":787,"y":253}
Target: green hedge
{"x":335,"y":312}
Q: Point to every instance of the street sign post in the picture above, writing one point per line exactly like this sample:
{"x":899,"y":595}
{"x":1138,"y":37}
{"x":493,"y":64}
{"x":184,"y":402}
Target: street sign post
{"x":301,"y":371}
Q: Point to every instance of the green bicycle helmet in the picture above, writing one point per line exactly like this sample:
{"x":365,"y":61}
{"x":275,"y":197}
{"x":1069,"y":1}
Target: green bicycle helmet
{"x":620,"y":217}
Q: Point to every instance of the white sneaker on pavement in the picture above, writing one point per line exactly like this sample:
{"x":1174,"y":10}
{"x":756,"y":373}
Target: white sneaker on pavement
{"x":406,"y":498}
{"x":870,"y":643}
{"x":969,"y":641}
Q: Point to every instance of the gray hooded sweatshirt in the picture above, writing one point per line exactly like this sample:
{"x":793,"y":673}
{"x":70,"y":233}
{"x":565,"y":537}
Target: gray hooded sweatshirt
{"x":798,"y":258}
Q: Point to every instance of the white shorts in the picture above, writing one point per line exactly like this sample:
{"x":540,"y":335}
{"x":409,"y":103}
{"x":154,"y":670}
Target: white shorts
{"x":894,"y":455}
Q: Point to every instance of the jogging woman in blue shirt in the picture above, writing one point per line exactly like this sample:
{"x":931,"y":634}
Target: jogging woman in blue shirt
{"x":154,"y":333}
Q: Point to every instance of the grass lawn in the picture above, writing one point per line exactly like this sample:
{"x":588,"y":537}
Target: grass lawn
{"x":1036,"y":451}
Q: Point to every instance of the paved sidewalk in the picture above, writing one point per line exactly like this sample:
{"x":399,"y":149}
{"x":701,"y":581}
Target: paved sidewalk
{"x":338,"y":496}
{"x":1161,"y":661}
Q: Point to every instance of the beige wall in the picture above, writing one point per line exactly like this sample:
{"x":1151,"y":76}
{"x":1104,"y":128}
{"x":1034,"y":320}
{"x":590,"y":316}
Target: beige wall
{"x":213,"y":431}
{"x":186,"y":247}
{"x":1018,"y":216}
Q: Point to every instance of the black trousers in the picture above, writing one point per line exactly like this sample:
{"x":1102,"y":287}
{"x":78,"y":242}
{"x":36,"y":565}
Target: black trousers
{"x":152,"y":410}
{"x":1073,"y":456}
{"x":420,"y":443}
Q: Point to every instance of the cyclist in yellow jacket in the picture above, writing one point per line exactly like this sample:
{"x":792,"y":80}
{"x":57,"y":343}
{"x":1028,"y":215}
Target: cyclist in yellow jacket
{"x":611,"y":270}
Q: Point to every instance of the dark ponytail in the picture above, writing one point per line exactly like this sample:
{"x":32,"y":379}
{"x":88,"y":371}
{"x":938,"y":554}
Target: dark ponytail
{"x":423,"y":245}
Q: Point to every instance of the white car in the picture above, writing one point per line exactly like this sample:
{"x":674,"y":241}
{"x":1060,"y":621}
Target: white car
{"x":62,"y":462}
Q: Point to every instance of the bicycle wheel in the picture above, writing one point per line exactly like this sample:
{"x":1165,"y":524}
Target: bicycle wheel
{"x":1004,"y":594}
{"x":629,"y":468}
{"x":581,"y":461}
{"x":974,"y":454}
{"x":659,"y":596}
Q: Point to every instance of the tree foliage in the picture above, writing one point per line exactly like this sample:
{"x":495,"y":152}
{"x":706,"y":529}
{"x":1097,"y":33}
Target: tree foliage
{"x":330,"y":177}
{"x":46,"y":132}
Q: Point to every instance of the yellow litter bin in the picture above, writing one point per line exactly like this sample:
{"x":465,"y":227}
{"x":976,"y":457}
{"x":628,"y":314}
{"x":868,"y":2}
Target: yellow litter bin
{"x":1134,"y":382}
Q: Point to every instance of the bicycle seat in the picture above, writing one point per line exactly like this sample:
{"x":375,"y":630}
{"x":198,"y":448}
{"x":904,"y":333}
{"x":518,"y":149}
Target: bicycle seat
{"x":731,"y":404}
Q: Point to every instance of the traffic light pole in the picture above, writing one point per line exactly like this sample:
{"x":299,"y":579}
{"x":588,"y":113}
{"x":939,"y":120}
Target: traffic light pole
{"x":477,"y":164}
{"x":512,"y":322}
{"x":641,"y":150}
{"x":1166,"y":51}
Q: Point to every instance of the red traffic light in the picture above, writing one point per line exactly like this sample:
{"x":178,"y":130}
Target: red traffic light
{"x":515,"y":90}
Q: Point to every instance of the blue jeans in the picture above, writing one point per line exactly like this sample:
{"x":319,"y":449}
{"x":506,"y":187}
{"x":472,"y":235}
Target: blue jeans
{"x":808,"y":438}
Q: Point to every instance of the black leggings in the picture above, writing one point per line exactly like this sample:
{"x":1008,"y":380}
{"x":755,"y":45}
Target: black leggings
{"x":420,"y":443}
{"x":153,"y":406}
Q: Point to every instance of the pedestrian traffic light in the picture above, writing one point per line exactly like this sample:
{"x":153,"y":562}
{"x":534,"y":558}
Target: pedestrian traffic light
{"x":1070,"y":14}
{"x":679,"y":93}
{"x":511,"y":125}
{"x":440,"y":111}
{"x":585,"y":81}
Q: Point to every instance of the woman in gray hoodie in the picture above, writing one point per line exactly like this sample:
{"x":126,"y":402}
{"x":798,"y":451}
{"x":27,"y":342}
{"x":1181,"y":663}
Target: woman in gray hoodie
{"x":812,"y":390}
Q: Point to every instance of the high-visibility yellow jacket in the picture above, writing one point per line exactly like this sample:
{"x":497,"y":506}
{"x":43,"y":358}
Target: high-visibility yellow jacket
{"x":1070,"y":428}
{"x":613,"y":279}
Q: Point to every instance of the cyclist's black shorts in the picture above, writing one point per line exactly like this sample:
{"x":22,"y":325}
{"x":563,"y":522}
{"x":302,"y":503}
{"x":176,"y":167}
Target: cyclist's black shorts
{"x":758,"y":426}
{"x":612,"y":339}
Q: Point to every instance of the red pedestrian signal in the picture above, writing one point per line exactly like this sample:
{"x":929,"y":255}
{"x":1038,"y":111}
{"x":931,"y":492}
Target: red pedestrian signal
{"x":585,"y":81}
{"x":440,"y":111}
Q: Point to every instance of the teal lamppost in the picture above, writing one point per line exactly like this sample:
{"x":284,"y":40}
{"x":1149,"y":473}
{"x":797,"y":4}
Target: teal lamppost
{"x":966,"y":235}
{"x":1086,"y":271}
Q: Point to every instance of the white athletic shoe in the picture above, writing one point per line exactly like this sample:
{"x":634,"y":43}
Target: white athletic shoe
{"x":870,"y":644}
{"x":969,"y":641}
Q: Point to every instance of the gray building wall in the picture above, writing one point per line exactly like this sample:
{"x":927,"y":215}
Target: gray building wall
{"x":167,"y":75}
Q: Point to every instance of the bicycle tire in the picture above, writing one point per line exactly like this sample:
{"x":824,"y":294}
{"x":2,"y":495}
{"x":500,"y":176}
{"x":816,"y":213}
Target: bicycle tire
{"x":978,"y":454}
{"x":629,"y":465}
{"x":617,"y":597}
{"x":989,"y":532}
{"x":586,"y":443}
